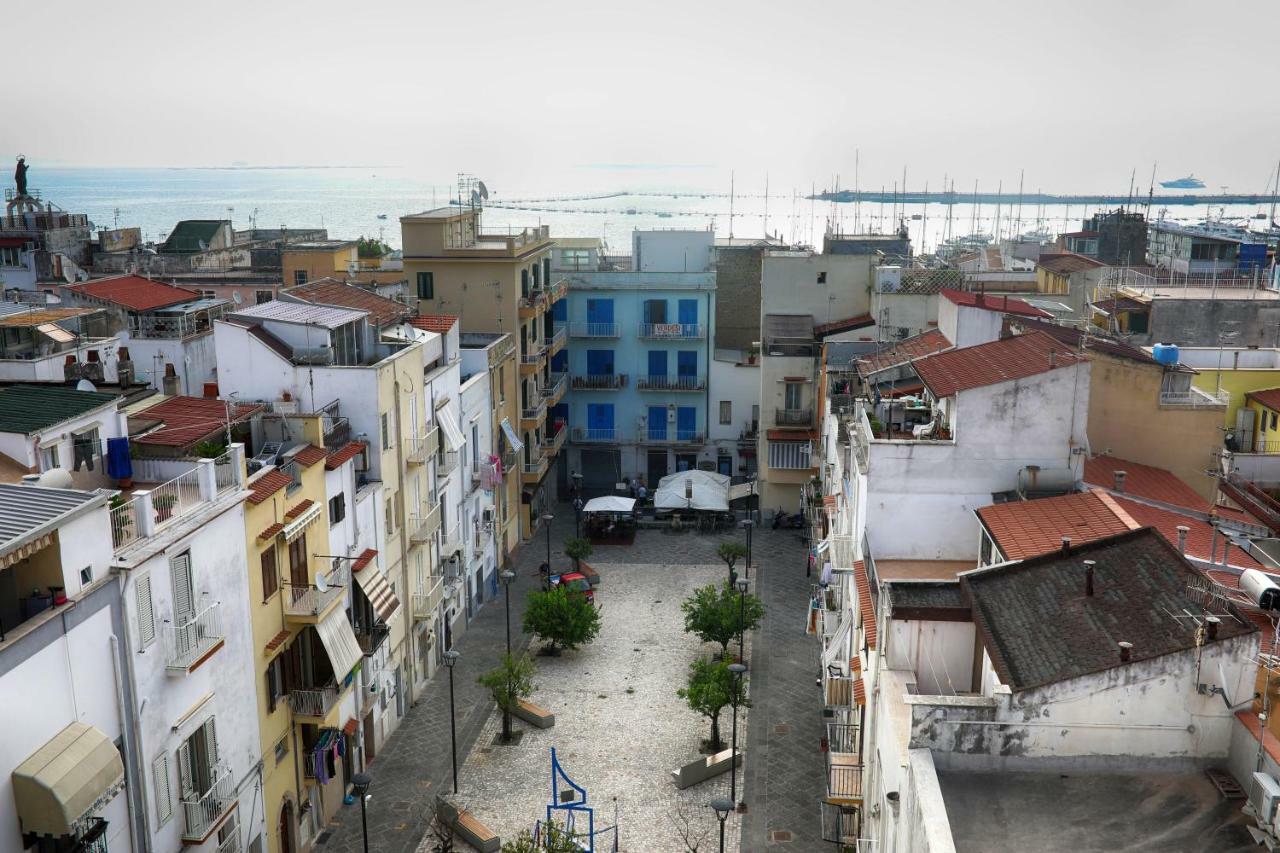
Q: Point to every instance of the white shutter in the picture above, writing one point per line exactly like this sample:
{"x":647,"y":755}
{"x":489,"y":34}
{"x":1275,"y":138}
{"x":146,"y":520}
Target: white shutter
{"x":160,"y":783}
{"x":185,"y":780}
{"x":146,"y":611}
{"x":211,"y":741}
{"x":183,"y":598}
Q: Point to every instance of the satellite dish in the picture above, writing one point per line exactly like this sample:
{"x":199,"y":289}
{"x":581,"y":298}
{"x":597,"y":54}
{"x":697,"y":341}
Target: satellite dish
{"x":321,"y":583}
{"x":484,"y":191}
{"x":85,"y":385}
{"x":235,"y":294}
{"x":475,"y":197}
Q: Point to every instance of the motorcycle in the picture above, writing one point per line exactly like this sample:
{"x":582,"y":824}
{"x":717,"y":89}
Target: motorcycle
{"x":789,"y":521}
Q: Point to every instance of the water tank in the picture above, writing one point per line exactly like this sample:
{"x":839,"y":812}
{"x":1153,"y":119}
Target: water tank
{"x":1261,"y":589}
{"x":1166,"y":354}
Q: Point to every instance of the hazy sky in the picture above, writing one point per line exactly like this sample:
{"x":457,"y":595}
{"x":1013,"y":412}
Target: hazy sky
{"x":1078,"y":93}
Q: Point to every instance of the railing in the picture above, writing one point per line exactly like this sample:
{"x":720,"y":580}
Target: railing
{"x":124,"y":524}
{"x":665,"y":331}
{"x":446,"y":462}
{"x":598,"y":381}
{"x":681,"y":436}
{"x":311,"y":601}
{"x":451,"y":541}
{"x":207,"y":809}
{"x":475,"y":482}
{"x":294,"y":472}
{"x":559,"y":382}
{"x":844,"y":781}
{"x":793,"y":417}
{"x":558,"y":290}
{"x":1195,"y":398}
{"x":175,"y":497}
{"x":336,"y":430}
{"x":534,"y":301}
{"x":231,"y":844}
{"x":174,"y":326}
{"x":1265,"y":447}
{"x":534,"y":413}
{"x":592,"y":436}
{"x":556,"y":436}
{"x":425,"y":603}
{"x":671,"y":383}
{"x":420,"y":449}
{"x":189,"y":640}
{"x":558,"y":337}
{"x":536,"y":465}
{"x":842,"y":737}
{"x":534,"y":359}
{"x":593,"y":330}
{"x":225,"y":474}
{"x":372,"y":638}
{"x":423,"y":527}
{"x":313,"y":701}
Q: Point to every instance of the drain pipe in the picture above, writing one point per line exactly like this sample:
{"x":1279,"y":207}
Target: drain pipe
{"x":128,"y":729}
{"x":404,"y":536}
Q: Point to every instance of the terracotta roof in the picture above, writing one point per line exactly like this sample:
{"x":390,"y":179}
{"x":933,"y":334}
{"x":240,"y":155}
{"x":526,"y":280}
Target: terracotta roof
{"x":1023,"y":529}
{"x":277,"y":641}
{"x":859,"y":692}
{"x":310,"y":455}
{"x":189,"y":420}
{"x":365,"y":558}
{"x":331,"y":292}
{"x":902,"y":352}
{"x":134,"y":292}
{"x":791,"y":435}
{"x":1093,"y":341}
{"x":1199,"y":535}
{"x":271,"y":532}
{"x":299,"y":508}
{"x":433,"y":322}
{"x":1112,"y":304}
{"x":1017,"y":357}
{"x":350,"y":727}
{"x":1003,"y":304}
{"x":1039,"y":626}
{"x":866,"y":606}
{"x":1269,"y":397}
{"x":1068,"y":262}
{"x":1143,"y":481}
{"x":267,"y":485}
{"x":346,"y":453}
{"x":848,"y":324}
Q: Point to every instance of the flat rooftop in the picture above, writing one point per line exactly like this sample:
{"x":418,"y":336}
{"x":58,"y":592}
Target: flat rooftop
{"x":1051,"y":812}
{"x":1173,"y":291}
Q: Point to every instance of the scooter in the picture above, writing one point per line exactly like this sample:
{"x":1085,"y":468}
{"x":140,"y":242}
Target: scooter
{"x":782,"y":519}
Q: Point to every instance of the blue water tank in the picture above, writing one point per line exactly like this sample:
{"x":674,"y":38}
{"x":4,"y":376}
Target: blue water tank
{"x":1166,"y":354}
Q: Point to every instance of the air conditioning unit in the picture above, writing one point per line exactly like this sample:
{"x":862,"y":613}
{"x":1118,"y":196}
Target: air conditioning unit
{"x":1264,"y":794}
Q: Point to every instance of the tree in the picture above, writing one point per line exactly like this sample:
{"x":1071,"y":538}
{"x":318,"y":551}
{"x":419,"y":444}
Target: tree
{"x":509,"y":683}
{"x":711,"y":687}
{"x":689,"y":831}
{"x":562,"y":618}
{"x":578,"y":550}
{"x":714,"y":613}
{"x":441,"y":834}
{"x":371,"y":247}
{"x":552,"y":838}
{"x":731,"y":552}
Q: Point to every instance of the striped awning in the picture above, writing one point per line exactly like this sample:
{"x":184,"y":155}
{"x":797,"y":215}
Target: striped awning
{"x":513,"y":437}
{"x":339,"y":642}
{"x":305,"y":519}
{"x":21,"y":553}
{"x":374,"y":585}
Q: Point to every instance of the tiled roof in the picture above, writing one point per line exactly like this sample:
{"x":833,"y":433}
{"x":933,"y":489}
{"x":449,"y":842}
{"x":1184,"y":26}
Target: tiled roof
{"x":1068,"y":262}
{"x":26,"y":409}
{"x":1112,"y":304}
{"x":277,"y":641}
{"x":1095,"y":342}
{"x":1269,"y":397}
{"x":329,"y":291}
{"x":1143,"y":481}
{"x":433,"y":322}
{"x":346,"y":453}
{"x":848,"y":324}
{"x":188,"y":420}
{"x":365,"y":558}
{"x":310,"y":455}
{"x":271,"y":532}
{"x":267,"y":485}
{"x":1039,"y":627}
{"x":191,"y":235}
{"x":1199,"y":534}
{"x":910,"y":349}
{"x":1017,"y":357}
{"x":350,"y":728}
{"x":299,"y":508}
{"x":866,"y":606}
{"x":1023,"y":529}
{"x":134,"y":292}
{"x":1003,"y":304}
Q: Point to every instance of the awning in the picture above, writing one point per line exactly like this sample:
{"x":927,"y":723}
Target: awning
{"x":513,"y":438}
{"x":340,"y":642}
{"x":838,"y":645}
{"x":448,"y":418}
{"x":375,"y":587}
{"x":66,"y":780}
{"x":299,"y":525}
{"x":610,"y":503}
{"x":742,"y":490}
{"x":24,"y":551}
{"x":56,"y":332}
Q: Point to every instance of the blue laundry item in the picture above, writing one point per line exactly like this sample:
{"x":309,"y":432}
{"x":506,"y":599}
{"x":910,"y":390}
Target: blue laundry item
{"x":119,"y":465}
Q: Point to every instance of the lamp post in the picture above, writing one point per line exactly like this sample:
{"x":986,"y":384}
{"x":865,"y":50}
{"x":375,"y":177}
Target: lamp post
{"x":508,"y":577}
{"x":742,"y":619}
{"x":748,"y":524}
{"x":451,"y":660}
{"x":547,"y":518}
{"x":722,"y":807}
{"x":577,"y":515}
{"x":738,"y":671}
{"x":360,"y":784}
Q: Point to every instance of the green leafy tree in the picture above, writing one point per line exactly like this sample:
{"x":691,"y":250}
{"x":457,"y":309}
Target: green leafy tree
{"x":710,"y":689}
{"x":554,"y":838}
{"x":731,"y":552}
{"x":509,"y":683}
{"x":562,"y":618}
{"x":714,"y":613}
{"x":371,"y":247}
{"x":578,"y":550}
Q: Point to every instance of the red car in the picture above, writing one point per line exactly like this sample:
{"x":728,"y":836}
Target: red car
{"x":576,"y":581}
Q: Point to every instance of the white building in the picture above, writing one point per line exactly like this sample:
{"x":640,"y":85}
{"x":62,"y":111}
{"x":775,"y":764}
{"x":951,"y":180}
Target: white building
{"x":17,"y":263}
{"x":734,"y":420}
{"x":43,"y":427}
{"x":479,"y":551}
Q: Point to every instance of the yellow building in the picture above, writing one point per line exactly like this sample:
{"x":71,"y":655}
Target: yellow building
{"x":1262,"y":422}
{"x":498,"y":283}
{"x":1233,"y":372}
{"x":313,"y":259}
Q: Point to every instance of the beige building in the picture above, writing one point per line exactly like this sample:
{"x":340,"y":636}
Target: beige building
{"x":497,"y":283}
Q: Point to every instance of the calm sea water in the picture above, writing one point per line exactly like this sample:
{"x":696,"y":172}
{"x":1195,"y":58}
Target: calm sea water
{"x":348,"y":202}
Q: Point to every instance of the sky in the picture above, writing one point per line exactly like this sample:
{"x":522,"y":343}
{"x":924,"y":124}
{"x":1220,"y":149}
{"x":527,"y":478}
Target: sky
{"x":1080,"y":95}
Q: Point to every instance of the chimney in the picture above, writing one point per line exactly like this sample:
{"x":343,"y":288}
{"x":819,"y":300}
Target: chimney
{"x":1211,"y":627}
{"x":1126,"y":649}
{"x":1120,"y":475}
{"x":1226,"y":546}
{"x":1183,"y":530}
{"x":170,"y":382}
{"x":1053,"y":359}
{"x":1088,"y":577}
{"x":1066,"y":544}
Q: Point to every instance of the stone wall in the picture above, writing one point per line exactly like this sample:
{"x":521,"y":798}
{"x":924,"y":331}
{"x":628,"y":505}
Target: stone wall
{"x":738,"y":273}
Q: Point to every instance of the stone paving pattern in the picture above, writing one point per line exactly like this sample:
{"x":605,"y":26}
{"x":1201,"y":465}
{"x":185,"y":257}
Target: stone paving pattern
{"x":783,"y":767}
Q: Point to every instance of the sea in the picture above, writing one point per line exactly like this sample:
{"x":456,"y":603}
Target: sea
{"x":608,"y":201}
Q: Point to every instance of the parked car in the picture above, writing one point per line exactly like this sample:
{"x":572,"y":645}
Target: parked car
{"x":577,"y":582}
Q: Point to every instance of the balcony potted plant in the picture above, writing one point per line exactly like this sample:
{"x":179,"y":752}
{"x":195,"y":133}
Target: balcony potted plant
{"x":164,"y":506}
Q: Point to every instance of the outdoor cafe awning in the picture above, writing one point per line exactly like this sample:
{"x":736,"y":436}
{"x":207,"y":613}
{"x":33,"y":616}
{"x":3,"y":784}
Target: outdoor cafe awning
{"x":610,"y":503}
{"x":66,"y":780}
{"x":339,"y":642}
{"x":378,"y":591}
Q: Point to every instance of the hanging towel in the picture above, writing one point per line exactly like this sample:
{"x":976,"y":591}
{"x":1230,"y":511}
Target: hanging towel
{"x":119,"y":465}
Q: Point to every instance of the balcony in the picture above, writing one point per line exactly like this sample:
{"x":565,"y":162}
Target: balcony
{"x":553,"y":392}
{"x":419,"y":450}
{"x":532,"y":305}
{"x":534,"y":470}
{"x":671,"y":383}
{"x":532,"y":363}
{"x":204,"y":811}
{"x":555,"y":438}
{"x":593,"y":330}
{"x":309,"y":604}
{"x":793,"y":417}
{"x":532,"y":418}
{"x":370,"y":639}
{"x":446,"y":463}
{"x":557,"y":291}
{"x":844,"y":768}
{"x":147,"y":510}
{"x":423,"y":527}
{"x":190,"y":642}
{"x":1194,"y":398}
{"x":556,"y":341}
{"x":598,"y":381}
{"x":314,"y":703}
{"x":425,"y":604}
{"x":583,"y":435}
{"x":673,"y":436}
{"x":671,"y":331}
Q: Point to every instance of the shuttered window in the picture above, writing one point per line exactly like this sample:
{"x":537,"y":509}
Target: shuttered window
{"x":197,"y":761}
{"x":270,"y":576}
{"x":160,"y":784}
{"x":184,"y":605}
{"x":146,"y":611}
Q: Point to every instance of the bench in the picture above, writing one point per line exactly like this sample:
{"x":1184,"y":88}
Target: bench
{"x":704,"y":768}
{"x":535,"y":716}
{"x":592,"y":576}
{"x":464,"y":823}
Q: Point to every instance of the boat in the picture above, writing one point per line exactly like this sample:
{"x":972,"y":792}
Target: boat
{"x":664,"y":215}
{"x":1190,"y":182}
{"x":382,"y":216}
{"x":631,"y":211}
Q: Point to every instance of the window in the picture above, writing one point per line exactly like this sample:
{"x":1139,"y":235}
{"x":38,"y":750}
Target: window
{"x":822,"y":277}
{"x":209,"y":294}
{"x":198,"y":761}
{"x":146,"y":611}
{"x":1273,"y":420}
{"x":299,"y":276}
{"x":789,"y":454}
{"x":299,"y":577}
{"x":262,"y":296}
{"x":160,"y":784}
{"x":184,"y":599}
{"x":9,"y":257}
{"x":426,"y":285}
{"x":276,"y":688}
{"x":391,"y":513}
{"x":575,"y":259}
{"x":524,"y":282}
{"x":386,"y":432}
{"x":86,"y":576}
{"x":792,"y":395}
{"x":49,"y":457}
{"x":726,"y":411}
{"x":282,"y":749}
{"x":337,"y":509}
{"x":270,"y":576}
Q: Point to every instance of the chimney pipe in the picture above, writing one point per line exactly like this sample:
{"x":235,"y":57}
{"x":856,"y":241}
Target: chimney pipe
{"x":1211,"y":627}
{"x":1183,"y":530}
{"x":1226,"y":546}
{"x":1053,"y":358}
{"x":1066,"y":544}
{"x":1120,"y":475}
{"x":1126,"y":649}
{"x":1088,"y":577}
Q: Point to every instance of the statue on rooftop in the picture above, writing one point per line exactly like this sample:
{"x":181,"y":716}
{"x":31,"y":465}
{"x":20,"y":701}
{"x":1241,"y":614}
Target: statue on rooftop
{"x":20,"y":175}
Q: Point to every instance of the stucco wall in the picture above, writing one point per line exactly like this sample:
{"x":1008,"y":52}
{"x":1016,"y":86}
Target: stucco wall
{"x":1197,"y":322}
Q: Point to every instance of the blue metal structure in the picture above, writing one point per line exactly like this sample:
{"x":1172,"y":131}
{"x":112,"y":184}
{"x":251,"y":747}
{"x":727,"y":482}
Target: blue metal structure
{"x":570,"y":798}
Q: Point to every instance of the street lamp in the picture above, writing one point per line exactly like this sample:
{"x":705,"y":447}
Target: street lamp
{"x":738,"y":671}
{"x":577,"y":514}
{"x":722,"y":807}
{"x":747,"y":525}
{"x":451,"y":660}
{"x":742,"y":618}
{"x":508,"y":577}
{"x":547,"y":517}
{"x":360,"y":784}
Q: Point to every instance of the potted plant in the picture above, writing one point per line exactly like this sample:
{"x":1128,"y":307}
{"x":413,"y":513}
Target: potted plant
{"x":164,"y":506}
{"x":578,"y":550}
